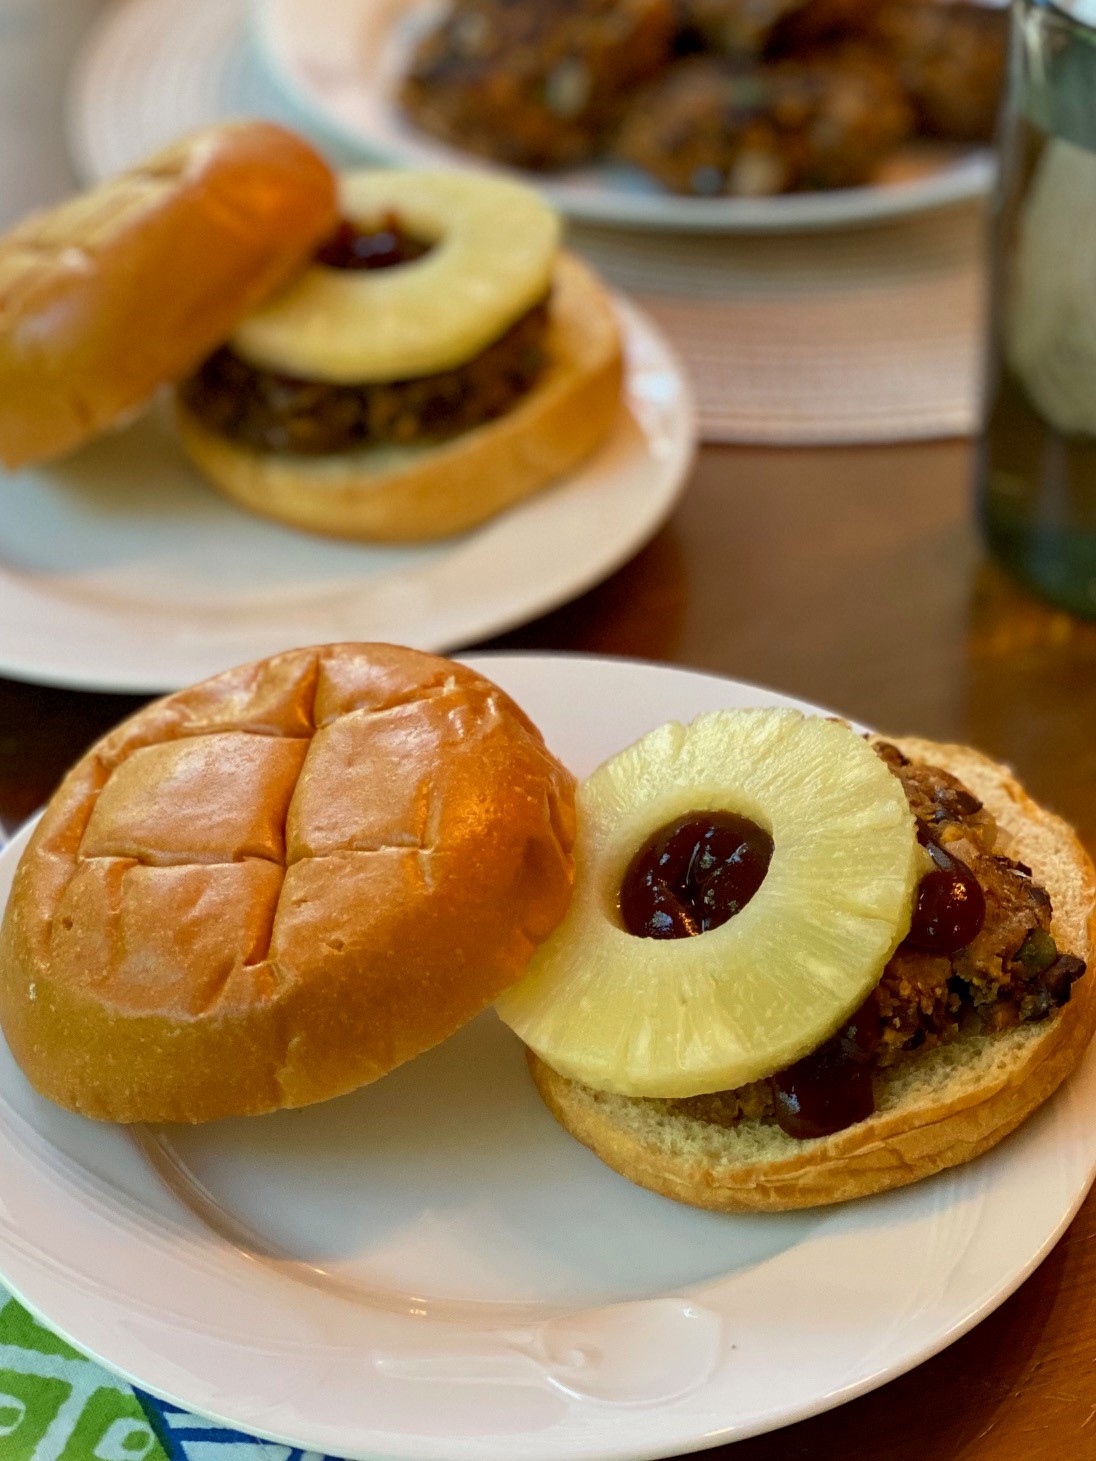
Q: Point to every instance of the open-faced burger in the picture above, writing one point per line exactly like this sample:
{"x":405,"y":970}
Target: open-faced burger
{"x":801,"y":966}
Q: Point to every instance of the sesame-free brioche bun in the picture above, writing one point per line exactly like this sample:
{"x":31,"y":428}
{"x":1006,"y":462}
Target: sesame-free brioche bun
{"x":115,"y":292}
{"x":934,"y":1109}
{"x":390,"y":494}
{"x":274,"y":887}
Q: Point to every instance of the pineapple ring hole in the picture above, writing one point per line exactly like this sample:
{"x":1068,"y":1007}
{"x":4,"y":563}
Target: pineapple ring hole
{"x":377,"y":240}
{"x":620,"y":843}
{"x":694,"y":874}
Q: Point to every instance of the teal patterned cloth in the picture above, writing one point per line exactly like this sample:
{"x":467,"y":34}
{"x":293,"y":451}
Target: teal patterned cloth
{"x":55,"y":1405}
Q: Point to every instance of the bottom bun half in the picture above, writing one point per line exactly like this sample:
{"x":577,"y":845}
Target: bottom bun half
{"x":935,"y":1109}
{"x":409,"y":494}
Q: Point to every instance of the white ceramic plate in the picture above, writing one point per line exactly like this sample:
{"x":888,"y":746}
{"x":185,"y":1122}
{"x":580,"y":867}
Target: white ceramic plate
{"x":121,"y":569}
{"x":340,"y":63}
{"x":432,"y":1270}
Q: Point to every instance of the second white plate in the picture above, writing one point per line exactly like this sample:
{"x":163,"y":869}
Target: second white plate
{"x":151,"y":69}
{"x":120,"y":569}
{"x":341,"y":63}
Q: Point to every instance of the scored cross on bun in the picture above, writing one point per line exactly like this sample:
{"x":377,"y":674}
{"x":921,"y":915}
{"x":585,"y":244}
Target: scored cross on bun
{"x":276,"y":886}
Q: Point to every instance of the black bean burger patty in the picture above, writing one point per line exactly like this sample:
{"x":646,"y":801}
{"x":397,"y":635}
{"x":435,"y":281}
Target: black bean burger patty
{"x":712,"y":127}
{"x":270,"y":412}
{"x":952,"y":61}
{"x":534,"y":83}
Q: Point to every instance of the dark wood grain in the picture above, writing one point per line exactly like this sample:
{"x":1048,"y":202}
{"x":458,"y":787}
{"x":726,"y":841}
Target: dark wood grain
{"x":852,"y":577}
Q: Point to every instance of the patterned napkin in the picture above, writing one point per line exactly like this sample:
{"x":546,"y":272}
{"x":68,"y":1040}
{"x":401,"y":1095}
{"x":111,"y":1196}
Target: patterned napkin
{"x":55,"y":1405}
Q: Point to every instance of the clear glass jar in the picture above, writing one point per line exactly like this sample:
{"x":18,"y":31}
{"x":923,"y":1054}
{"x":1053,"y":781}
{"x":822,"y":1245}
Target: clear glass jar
{"x":1037,"y":468}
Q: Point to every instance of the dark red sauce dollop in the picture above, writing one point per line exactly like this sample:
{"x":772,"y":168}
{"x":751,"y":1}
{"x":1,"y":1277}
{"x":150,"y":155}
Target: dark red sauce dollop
{"x":694,"y":875}
{"x":832,"y":1087}
{"x":950,"y":907}
{"x":383,"y":247}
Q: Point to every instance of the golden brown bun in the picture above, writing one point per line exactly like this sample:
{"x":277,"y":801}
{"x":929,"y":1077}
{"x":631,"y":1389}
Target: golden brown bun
{"x":108,"y":296}
{"x":276,"y":886}
{"x":935,"y":1109}
{"x":406,"y":495}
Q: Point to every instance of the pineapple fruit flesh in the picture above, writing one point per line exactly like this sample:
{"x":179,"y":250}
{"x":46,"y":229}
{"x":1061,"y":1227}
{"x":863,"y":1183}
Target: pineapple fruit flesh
{"x":494,"y":250}
{"x":682,"y":1017}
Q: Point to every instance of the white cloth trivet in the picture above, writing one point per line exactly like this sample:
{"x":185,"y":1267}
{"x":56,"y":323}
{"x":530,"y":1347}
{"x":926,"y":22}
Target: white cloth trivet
{"x":866,"y":335}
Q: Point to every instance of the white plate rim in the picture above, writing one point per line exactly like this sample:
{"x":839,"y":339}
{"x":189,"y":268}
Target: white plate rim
{"x":597,"y":669}
{"x":647,"y":352}
{"x":969,"y":176}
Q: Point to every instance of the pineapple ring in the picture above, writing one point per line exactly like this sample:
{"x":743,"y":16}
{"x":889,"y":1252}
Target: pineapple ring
{"x":495,"y":244}
{"x":681,"y":1017}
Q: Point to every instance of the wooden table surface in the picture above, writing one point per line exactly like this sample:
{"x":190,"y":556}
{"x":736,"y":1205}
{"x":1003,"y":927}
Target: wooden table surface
{"x":854,"y":578}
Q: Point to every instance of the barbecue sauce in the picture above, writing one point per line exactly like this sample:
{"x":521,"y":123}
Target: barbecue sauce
{"x":694,"y":874}
{"x":950,"y":907}
{"x":382,"y":247}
